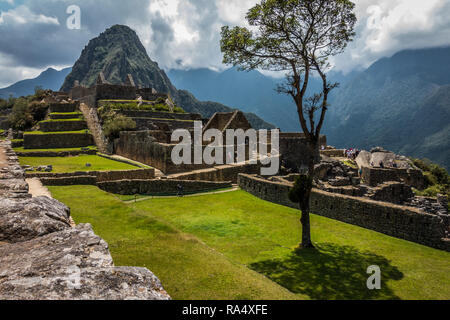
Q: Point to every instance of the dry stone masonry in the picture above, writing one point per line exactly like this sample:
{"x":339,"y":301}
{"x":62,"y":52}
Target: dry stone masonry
{"x":43,"y":257}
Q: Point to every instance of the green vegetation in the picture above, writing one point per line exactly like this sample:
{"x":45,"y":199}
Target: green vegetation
{"x":113,"y":123}
{"x":59,"y":132}
{"x":437,"y":178}
{"x":7,"y":104}
{"x":78,"y":163}
{"x":28,"y":111}
{"x":75,"y":114}
{"x":220,"y":246}
{"x":63,"y":120}
{"x":158,"y":105}
{"x":23,"y":150}
{"x":350,"y":163}
{"x":132,"y":162}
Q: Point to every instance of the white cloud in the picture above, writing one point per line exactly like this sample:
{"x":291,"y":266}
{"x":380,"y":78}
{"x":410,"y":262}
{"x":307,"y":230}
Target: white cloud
{"x":388,"y":26}
{"x":23,"y":15}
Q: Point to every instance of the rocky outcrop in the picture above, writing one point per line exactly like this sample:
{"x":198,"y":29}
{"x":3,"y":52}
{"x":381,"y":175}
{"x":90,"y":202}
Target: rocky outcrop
{"x":42,"y":257}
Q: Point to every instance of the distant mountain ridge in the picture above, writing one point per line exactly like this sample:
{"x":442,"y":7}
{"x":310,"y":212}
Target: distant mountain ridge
{"x":401,"y":103}
{"x":49,"y":79}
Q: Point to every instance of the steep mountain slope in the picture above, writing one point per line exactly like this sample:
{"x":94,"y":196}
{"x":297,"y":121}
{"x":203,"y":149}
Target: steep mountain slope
{"x":118,"y":52}
{"x":49,"y":79}
{"x":401,"y":103}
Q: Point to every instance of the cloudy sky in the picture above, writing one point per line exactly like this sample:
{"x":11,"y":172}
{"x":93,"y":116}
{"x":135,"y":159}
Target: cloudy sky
{"x":186,"y":33}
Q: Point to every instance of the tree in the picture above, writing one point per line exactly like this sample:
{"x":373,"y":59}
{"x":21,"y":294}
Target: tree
{"x":297,"y":37}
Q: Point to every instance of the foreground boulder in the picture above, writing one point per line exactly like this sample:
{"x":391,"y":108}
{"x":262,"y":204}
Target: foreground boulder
{"x":25,"y":219}
{"x":71,"y":264}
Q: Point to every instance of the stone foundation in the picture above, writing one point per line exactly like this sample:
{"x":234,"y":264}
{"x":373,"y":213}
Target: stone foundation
{"x":160,"y":187}
{"x":57,"y":141}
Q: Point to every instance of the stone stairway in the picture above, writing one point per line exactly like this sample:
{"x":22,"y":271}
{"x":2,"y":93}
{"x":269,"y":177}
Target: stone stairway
{"x":93,"y":123}
{"x":65,"y":128}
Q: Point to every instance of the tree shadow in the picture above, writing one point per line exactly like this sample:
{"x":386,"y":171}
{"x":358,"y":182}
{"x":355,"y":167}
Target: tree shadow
{"x":330,"y":272}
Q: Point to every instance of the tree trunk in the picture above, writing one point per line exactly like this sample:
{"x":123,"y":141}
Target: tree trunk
{"x":305,"y":204}
{"x":306,"y":227}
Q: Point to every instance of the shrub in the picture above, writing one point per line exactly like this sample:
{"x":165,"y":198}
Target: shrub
{"x":113,"y":126}
{"x":302,"y":185}
{"x":20,"y":117}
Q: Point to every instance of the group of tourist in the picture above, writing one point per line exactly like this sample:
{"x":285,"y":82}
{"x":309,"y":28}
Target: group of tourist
{"x":352,"y":153}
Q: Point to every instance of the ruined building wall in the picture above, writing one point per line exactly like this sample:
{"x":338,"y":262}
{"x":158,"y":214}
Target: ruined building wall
{"x":376,"y":176}
{"x":398,"y":221}
{"x":294,"y":150}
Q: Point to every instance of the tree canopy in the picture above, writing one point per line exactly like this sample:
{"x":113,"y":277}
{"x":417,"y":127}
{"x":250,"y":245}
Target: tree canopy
{"x":298,"y":37}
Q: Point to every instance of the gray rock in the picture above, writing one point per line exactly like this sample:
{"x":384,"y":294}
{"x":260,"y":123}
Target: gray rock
{"x":26,"y":219}
{"x":71,"y":264}
{"x":114,"y":283}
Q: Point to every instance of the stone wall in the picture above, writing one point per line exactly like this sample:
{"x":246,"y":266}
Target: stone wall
{"x":64,"y":107}
{"x":90,"y":96}
{"x":141,"y":146}
{"x":333,"y":153}
{"x":398,"y":221}
{"x":294,"y":150}
{"x":55,"y":126}
{"x":159,"y":187}
{"x":219,"y":173}
{"x":167,"y":124}
{"x":53,"y":141}
{"x":92,"y":177}
{"x":161,"y":115}
{"x":43,"y":256}
{"x":376,"y":176}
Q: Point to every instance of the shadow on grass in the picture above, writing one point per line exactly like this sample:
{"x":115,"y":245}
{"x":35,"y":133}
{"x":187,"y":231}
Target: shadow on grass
{"x":330,"y":272}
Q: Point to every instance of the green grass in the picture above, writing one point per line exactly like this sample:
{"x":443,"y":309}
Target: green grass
{"x":78,"y":163}
{"x":350,"y":163}
{"x":76,"y":113}
{"x":63,"y":120}
{"x":187,"y":267}
{"x":23,"y":150}
{"x":219,"y":246}
{"x":85,"y":131}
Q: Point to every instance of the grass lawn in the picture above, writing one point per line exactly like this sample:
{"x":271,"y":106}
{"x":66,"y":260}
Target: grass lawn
{"x":85,"y":131}
{"x":78,"y":163}
{"x":220,"y":246}
{"x":23,"y":150}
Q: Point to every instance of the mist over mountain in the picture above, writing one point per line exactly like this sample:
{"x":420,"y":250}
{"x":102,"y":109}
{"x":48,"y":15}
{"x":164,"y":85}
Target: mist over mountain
{"x":49,"y":79}
{"x":401,"y":103}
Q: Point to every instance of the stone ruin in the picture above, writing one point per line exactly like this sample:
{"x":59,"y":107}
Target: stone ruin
{"x":388,"y":184}
{"x":151,"y":142}
{"x":44,"y":256}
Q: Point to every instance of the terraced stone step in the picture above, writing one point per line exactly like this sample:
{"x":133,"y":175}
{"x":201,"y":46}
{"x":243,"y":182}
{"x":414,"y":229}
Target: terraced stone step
{"x":58,"y":140}
{"x":62,"y":125}
{"x":161,"y":115}
{"x":64,"y":107}
{"x":65,"y":115}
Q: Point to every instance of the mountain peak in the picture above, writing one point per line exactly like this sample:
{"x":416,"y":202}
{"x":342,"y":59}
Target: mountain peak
{"x":118,"y":52}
